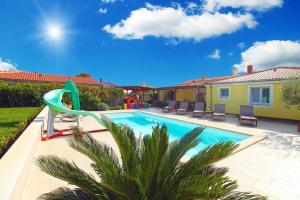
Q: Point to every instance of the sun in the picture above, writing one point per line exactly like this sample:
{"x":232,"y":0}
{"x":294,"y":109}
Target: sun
{"x":54,"y":32}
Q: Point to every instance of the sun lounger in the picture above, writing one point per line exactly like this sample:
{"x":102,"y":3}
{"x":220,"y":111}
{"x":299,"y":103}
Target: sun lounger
{"x":219,"y":112}
{"x":199,"y":110}
{"x":247,"y":115}
{"x":183,"y":108}
{"x":171,"y":106}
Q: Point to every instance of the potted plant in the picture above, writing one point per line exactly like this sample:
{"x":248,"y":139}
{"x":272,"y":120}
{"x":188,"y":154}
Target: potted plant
{"x":147,"y":168}
{"x":290,"y":94}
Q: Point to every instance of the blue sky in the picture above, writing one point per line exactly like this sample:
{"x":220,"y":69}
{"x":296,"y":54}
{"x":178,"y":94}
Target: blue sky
{"x":158,"y":42}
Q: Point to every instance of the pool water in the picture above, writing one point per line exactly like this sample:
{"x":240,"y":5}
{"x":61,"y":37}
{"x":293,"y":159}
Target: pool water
{"x":142,"y":123}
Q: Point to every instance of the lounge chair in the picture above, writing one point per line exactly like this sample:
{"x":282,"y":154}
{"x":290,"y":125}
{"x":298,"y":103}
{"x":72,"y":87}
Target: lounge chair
{"x":183,"y":108}
{"x":171,"y":106}
{"x":199,"y":110}
{"x":219,"y":112}
{"x":246,"y":115}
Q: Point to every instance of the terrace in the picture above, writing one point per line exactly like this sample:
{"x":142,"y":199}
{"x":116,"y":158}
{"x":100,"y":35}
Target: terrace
{"x":268,"y":165}
{"x":265,"y":162}
{"x":216,"y":116}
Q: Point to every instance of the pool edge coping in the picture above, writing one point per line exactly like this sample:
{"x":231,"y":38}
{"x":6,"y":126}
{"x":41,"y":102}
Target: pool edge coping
{"x":253,"y":139}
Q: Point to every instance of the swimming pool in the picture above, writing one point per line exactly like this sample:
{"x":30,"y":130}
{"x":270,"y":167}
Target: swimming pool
{"x":142,"y":123}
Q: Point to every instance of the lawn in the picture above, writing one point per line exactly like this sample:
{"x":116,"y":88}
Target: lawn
{"x":12,"y":122}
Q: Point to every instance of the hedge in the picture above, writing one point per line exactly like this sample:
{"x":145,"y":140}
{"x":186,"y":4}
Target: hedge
{"x":13,"y":122}
{"x":31,"y":95}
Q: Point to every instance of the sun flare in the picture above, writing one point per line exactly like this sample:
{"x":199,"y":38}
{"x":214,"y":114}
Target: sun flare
{"x":54,"y":32}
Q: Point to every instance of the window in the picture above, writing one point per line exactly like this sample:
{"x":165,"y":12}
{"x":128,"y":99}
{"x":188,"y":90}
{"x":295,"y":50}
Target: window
{"x":224,"y":93}
{"x":260,"y":95}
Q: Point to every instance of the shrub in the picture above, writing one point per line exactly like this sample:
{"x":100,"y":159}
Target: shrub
{"x":102,"y":106}
{"x":88,"y":101}
{"x":31,"y":95}
{"x":14,"y":124}
{"x":290,"y":93}
{"x":116,"y":108}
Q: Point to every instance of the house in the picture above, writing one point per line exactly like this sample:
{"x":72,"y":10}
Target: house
{"x":108,"y":84}
{"x":191,"y":90}
{"x":261,"y":89}
{"x":20,"y":76}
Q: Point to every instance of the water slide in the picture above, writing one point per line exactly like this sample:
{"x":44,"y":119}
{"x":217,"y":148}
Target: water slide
{"x":53,"y":100}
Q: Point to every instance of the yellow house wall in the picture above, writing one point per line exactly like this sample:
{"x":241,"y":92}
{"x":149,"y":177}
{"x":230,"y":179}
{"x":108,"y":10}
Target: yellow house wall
{"x":185,"y":95}
{"x":161,"y":95}
{"x":240,"y":96}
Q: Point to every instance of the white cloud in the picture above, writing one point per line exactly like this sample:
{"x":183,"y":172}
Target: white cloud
{"x":259,"y":5}
{"x":7,"y":65}
{"x":263,"y":55}
{"x":241,"y":45}
{"x":102,"y":10}
{"x":173,"y":41}
{"x":216,"y":54}
{"x":192,"y":5}
{"x":108,"y":1}
{"x":174,"y":22}
{"x":192,"y":8}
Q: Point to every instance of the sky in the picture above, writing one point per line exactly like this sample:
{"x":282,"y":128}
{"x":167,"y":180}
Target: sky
{"x":157,"y":42}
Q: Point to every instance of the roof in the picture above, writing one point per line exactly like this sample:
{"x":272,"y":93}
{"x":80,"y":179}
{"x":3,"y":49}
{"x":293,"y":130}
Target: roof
{"x":179,"y":87}
{"x":136,"y":88}
{"x":273,"y":74}
{"x":108,"y":84}
{"x":195,"y":83}
{"x":51,"y":78}
{"x":202,"y":81}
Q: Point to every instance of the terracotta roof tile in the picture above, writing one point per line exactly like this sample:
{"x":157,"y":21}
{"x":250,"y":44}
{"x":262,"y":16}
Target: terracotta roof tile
{"x":38,"y":77}
{"x":273,"y":74}
{"x":108,"y":84}
{"x":202,"y":81}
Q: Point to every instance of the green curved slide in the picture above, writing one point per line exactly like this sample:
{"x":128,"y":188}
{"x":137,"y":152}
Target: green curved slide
{"x":53,"y":100}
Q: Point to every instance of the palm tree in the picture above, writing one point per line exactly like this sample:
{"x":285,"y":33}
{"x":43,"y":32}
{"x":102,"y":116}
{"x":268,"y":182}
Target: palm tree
{"x":147,"y":168}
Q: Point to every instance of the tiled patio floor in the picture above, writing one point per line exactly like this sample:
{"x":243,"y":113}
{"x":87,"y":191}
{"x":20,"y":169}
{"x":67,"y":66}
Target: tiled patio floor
{"x":270,"y":167}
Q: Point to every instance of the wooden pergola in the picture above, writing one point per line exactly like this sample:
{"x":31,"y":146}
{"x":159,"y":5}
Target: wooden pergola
{"x":175,"y":88}
{"x":143,"y":89}
{"x":137,"y":89}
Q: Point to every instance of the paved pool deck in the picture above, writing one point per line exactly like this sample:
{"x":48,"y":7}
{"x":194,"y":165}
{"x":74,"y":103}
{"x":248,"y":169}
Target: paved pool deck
{"x":269,"y":167}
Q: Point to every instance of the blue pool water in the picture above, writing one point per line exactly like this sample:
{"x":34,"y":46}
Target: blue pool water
{"x":142,"y":123}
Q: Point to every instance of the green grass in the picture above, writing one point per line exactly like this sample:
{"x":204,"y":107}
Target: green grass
{"x":12,"y":122}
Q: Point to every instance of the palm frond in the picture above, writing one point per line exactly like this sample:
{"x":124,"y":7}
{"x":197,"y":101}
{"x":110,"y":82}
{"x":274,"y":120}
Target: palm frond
{"x":220,"y":171}
{"x":155,"y":146}
{"x":106,"y":163}
{"x":130,"y":148}
{"x":177,"y":150}
{"x":204,"y":186}
{"x":236,"y":195}
{"x":204,"y":158}
{"x":63,"y":193}
{"x":127,"y":143}
{"x":102,"y":155}
{"x":69,"y":172}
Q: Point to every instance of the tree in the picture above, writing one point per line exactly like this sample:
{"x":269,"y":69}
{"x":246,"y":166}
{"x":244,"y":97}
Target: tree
{"x":148,"y":168}
{"x":84,"y":74}
{"x":290,"y":93}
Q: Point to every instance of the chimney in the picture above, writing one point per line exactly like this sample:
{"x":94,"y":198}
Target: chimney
{"x":249,"y":69}
{"x":203,"y":75}
{"x":234,"y":71}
